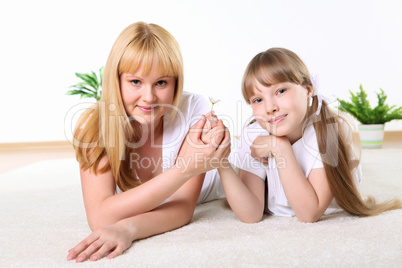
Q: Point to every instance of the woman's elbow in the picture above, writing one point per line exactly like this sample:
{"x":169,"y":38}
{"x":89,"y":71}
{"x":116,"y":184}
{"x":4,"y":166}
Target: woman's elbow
{"x":185,"y":216}
{"x":187,"y":219}
{"x":98,"y":222}
{"x":95,"y":225}
{"x":184,"y":213}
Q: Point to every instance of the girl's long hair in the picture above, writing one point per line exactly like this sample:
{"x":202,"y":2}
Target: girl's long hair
{"x":334,"y":134}
{"x":105,"y":129}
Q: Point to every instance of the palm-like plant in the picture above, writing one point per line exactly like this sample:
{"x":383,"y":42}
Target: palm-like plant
{"x":89,"y":87}
{"x":359,"y":108}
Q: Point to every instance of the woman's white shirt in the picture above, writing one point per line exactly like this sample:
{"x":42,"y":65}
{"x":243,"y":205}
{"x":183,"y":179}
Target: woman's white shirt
{"x":188,"y":112}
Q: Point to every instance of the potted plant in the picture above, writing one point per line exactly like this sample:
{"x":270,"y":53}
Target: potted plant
{"x":89,"y":87}
{"x":372,"y":121}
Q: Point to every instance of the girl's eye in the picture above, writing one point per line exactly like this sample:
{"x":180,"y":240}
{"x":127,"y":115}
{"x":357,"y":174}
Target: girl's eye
{"x":281,"y":91}
{"x":257,"y":100}
{"x":161,"y":83}
{"x":136,"y":82}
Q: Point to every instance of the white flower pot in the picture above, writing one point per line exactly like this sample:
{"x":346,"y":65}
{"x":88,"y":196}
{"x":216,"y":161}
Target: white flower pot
{"x":371,"y":136}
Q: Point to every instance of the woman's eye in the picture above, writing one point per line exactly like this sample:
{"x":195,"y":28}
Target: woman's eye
{"x":161,"y":83}
{"x":135,"y":82}
{"x":281,"y":91}
{"x":258,"y":100}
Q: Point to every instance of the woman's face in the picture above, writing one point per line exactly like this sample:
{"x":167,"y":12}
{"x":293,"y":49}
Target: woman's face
{"x":147,"y":97}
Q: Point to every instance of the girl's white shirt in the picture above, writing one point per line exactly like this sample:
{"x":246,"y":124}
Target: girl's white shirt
{"x":307,"y":155}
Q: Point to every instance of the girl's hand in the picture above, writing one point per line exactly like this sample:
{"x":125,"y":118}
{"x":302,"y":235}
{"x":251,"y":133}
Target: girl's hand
{"x":264,"y":147}
{"x":112,"y":240}
{"x":197,"y":157}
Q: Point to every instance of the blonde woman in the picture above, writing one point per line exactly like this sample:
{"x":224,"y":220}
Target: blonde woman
{"x":295,"y":159}
{"x":143,"y":169}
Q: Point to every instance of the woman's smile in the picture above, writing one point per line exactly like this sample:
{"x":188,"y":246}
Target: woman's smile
{"x":147,"y":109}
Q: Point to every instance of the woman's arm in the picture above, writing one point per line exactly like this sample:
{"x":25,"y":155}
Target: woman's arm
{"x":309,"y":198}
{"x":176,"y":213}
{"x":118,"y":237}
{"x":245,"y":193}
{"x":103,"y":207}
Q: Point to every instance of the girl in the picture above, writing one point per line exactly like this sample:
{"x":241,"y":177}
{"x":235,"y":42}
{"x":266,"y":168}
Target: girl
{"x":132,"y":142}
{"x":304,"y":152}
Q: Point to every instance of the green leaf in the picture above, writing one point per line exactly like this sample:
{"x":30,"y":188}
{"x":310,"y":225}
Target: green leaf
{"x":90,"y":85}
{"x":89,"y":79}
{"x":83,"y":88}
{"x":86,"y":95}
{"x":360,"y":108}
{"x":75,"y":92}
{"x":101,"y":76}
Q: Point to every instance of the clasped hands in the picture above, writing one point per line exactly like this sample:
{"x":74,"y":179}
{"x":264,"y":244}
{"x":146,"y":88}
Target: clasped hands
{"x":206,"y":147}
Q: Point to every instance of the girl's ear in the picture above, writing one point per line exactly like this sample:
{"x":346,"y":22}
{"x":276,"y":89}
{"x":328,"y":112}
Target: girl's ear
{"x":310,"y":91}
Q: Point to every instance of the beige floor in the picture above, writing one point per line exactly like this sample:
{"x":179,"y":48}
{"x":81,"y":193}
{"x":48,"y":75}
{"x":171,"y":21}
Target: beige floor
{"x":12,"y":158}
{"x":19,"y":155}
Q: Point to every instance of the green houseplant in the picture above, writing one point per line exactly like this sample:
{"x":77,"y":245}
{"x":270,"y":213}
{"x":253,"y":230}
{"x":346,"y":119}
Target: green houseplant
{"x":372,"y":119}
{"x":90,"y":85}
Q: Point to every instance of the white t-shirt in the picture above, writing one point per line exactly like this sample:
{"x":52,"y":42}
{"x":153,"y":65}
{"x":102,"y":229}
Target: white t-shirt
{"x":188,"y":112}
{"x":307,"y":155}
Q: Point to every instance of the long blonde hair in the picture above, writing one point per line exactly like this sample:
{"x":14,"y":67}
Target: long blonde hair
{"x":278,"y":65}
{"x":105,"y":129}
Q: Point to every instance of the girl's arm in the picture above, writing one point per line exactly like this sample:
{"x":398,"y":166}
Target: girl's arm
{"x":308,"y":197}
{"x":119,"y":236}
{"x":245,"y":193}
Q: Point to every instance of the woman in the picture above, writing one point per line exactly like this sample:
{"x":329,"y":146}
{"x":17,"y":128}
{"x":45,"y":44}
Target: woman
{"x":140,"y":174}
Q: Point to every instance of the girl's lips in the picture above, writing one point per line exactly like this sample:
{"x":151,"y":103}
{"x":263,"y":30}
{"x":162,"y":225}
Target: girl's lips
{"x":147,"y":109}
{"x":277,"y":120}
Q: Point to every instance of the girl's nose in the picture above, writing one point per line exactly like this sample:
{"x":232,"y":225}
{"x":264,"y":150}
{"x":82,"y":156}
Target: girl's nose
{"x":271,"y":106}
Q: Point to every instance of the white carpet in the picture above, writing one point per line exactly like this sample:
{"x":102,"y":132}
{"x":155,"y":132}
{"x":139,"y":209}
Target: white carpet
{"x":42,"y":216}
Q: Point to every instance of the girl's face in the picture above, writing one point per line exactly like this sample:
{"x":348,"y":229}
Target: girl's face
{"x":147,"y":97}
{"x":281,"y":108}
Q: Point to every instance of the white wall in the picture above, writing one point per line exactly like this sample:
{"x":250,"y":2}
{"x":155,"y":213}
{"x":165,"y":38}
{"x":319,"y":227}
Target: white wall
{"x":44,"y":42}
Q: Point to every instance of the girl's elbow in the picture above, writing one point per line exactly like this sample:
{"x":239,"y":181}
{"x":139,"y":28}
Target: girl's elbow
{"x":250,"y":218}
{"x":249,"y":221}
{"x":308,"y":218}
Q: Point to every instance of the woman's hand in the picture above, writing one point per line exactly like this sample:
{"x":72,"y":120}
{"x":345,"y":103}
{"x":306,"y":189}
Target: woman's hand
{"x":197,"y":156}
{"x":209,"y":128}
{"x":264,"y":147}
{"x":112,"y":240}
